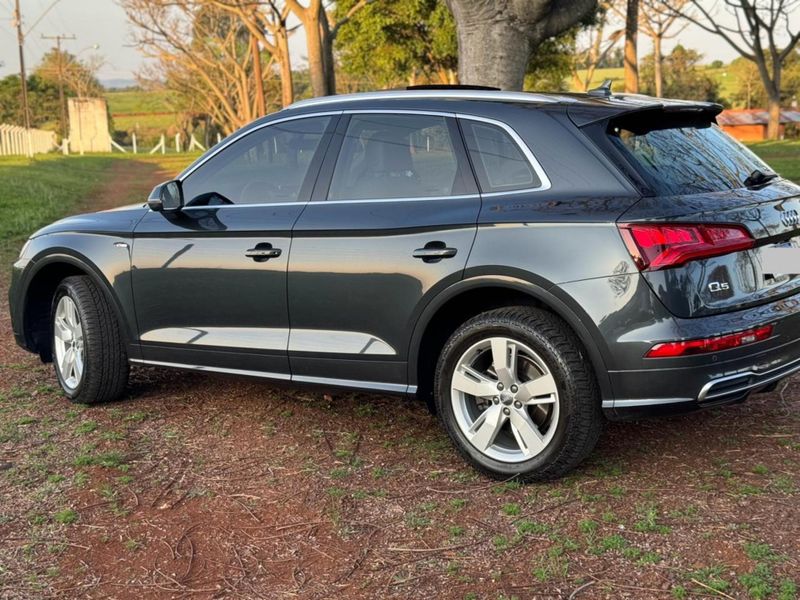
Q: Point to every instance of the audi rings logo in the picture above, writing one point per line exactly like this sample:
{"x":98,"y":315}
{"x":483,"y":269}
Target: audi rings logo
{"x":790,"y":218}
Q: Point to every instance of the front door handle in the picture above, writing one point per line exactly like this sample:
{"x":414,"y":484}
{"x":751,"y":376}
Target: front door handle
{"x":434,"y":252}
{"x":263,"y":251}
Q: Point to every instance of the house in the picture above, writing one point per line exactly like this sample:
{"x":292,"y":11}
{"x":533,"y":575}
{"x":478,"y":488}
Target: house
{"x":750,"y":125}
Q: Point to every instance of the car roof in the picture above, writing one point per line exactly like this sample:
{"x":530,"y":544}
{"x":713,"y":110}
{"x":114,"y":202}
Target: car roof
{"x":583,"y":107}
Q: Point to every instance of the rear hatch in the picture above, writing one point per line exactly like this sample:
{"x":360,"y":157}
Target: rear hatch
{"x":703,"y":181}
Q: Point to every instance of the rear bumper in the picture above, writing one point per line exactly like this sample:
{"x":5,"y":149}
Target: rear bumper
{"x":668,"y":386}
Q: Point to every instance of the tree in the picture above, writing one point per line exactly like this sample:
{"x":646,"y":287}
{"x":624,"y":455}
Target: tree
{"x":42,"y":100}
{"x":631,"y":53}
{"x":682,"y":77}
{"x":749,"y":91}
{"x":497,"y":37}
{"x":394,"y":42}
{"x":551,"y":64}
{"x":204,"y":53}
{"x":267,"y":24}
{"x":594,"y":44}
{"x":657,"y":22}
{"x":79,"y":76}
{"x":321,"y":27}
{"x":755,"y":36}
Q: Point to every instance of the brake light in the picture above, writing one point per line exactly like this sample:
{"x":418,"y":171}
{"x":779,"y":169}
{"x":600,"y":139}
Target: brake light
{"x":656,"y":246}
{"x":714,"y":344}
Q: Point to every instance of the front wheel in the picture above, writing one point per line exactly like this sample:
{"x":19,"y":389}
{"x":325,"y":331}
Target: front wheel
{"x":89,"y":355}
{"x":517,"y":396}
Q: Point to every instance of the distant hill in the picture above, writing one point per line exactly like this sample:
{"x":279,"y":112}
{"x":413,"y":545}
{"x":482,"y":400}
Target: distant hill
{"x":117,"y":84}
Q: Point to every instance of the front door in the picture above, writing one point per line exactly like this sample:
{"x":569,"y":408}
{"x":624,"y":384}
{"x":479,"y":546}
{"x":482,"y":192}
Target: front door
{"x":209,"y":281}
{"x":392,"y":221}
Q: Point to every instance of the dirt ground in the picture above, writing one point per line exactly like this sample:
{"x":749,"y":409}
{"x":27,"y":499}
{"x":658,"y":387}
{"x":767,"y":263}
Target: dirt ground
{"x":201,"y":486}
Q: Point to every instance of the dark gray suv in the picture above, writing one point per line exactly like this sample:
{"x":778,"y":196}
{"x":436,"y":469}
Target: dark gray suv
{"x":529,"y":264}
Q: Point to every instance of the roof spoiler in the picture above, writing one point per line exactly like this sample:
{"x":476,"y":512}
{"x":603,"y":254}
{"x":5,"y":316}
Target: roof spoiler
{"x":621,"y":105}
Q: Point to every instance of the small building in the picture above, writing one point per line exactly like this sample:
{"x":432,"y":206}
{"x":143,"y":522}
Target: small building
{"x":750,"y":125}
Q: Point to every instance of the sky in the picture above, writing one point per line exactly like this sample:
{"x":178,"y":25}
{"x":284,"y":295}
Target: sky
{"x":103,"y":22}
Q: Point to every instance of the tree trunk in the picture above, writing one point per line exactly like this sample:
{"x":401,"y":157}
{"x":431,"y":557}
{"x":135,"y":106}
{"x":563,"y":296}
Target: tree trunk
{"x":631,"y":58}
{"x":496,"y":37}
{"x":258,"y":79}
{"x":493,"y":53}
{"x":658,"y":63}
{"x":310,"y":17}
{"x":774,"y":123}
{"x":287,"y":83}
{"x":327,"y":54}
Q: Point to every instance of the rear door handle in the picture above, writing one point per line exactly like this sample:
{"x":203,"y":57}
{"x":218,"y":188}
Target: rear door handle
{"x":434,"y":252}
{"x":263,"y":251}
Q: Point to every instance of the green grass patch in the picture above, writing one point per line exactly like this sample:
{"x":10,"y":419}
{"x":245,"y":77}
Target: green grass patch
{"x":39,"y":191}
{"x":66,"y":517}
{"x":783,"y":156}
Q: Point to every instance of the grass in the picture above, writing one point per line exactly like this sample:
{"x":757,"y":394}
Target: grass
{"x":39,"y":191}
{"x":783,"y":156}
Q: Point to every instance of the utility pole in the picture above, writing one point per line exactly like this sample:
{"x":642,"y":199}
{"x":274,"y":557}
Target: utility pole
{"x":20,"y":43}
{"x":61,"y":103}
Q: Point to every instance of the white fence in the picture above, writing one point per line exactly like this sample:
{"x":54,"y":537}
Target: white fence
{"x":16,"y":140}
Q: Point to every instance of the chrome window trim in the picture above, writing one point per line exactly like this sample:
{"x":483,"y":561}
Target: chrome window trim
{"x":485,"y":95}
{"x":544,"y":180}
{"x":526,"y":151}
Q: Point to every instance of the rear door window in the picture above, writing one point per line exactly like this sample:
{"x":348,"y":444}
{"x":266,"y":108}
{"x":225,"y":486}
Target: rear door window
{"x":386,"y":156}
{"x":684,"y":157}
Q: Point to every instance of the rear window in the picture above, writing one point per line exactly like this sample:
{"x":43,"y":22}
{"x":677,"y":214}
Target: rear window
{"x":678,"y":158}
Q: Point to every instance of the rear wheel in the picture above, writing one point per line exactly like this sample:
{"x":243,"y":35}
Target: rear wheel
{"x":89,"y":355}
{"x":517,"y":396}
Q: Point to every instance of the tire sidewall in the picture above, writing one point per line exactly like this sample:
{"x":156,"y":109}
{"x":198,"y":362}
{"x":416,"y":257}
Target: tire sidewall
{"x":66,"y":289}
{"x":461,"y":341}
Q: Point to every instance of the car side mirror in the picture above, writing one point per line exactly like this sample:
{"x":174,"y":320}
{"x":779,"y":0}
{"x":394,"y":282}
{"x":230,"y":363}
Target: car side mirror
{"x":167,"y":197}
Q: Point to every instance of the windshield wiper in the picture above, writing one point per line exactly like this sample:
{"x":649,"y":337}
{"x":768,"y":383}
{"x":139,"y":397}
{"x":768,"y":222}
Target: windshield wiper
{"x":758,"y":177}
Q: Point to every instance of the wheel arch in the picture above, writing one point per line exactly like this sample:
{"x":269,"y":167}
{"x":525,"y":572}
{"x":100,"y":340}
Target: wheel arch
{"x":39,"y":285}
{"x":474,"y":295}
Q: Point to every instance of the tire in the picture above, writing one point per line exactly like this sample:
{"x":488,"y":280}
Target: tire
{"x":83,"y":322}
{"x":564,"y":417}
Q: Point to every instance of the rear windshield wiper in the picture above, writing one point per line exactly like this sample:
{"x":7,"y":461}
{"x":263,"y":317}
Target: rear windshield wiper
{"x":758,"y":177}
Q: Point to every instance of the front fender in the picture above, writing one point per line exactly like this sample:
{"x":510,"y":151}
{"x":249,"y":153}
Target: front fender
{"x":102,"y":257}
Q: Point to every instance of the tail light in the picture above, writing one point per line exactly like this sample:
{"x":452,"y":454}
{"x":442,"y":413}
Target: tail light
{"x":713,"y":344}
{"x":656,"y":246}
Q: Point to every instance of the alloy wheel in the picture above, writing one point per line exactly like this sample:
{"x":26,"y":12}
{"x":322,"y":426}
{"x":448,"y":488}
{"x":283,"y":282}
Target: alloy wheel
{"x":68,"y":343}
{"x":505,"y":399}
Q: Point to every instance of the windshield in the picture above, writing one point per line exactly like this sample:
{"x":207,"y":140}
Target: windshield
{"x":686,"y":157}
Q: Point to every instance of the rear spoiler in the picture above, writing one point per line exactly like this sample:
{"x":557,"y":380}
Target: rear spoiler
{"x":626,"y":104}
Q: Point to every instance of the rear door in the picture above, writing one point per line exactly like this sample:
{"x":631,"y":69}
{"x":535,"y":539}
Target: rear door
{"x":699,"y":175}
{"x":391,"y":223}
{"x":209,"y":281}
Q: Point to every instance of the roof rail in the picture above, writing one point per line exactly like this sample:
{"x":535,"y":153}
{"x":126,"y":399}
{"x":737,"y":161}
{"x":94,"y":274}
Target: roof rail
{"x":444,"y":94}
{"x":452,"y":86}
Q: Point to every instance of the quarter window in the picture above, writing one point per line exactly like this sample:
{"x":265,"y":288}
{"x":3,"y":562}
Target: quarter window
{"x":395,"y":156}
{"x":267,"y":165}
{"x":499,"y":163}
